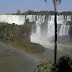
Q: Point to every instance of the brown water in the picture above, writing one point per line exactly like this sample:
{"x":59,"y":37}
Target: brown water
{"x":27,"y":63}
{"x":17,"y":64}
{"x":13,"y":60}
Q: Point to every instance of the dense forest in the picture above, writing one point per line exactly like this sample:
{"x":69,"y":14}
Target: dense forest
{"x":31,"y":12}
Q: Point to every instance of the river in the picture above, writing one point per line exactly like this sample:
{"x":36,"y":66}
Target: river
{"x":13,"y":60}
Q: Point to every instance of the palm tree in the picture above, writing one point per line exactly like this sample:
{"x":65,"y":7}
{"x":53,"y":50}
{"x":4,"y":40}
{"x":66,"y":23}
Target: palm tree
{"x":55,"y":22}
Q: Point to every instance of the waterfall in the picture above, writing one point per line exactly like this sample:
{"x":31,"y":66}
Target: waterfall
{"x":17,"y":19}
{"x":64,"y":30}
{"x":43,"y":30}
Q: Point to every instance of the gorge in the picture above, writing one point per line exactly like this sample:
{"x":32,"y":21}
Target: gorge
{"x":43,"y":29}
{"x":42,"y":32}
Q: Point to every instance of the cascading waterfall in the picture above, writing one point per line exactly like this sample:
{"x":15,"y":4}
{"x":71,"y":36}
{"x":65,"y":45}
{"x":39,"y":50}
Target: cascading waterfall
{"x":64,"y":30}
{"x":43,"y":30}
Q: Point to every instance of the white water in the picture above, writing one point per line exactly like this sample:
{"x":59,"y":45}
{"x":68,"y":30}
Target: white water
{"x":44,"y":26}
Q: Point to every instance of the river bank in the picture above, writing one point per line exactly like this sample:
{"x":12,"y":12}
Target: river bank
{"x":13,"y":60}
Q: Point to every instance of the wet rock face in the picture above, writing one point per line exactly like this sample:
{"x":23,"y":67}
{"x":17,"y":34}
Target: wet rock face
{"x":70,"y":28}
{"x":68,"y":22}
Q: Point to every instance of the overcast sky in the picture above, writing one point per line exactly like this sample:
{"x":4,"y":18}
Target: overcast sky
{"x":11,"y":6}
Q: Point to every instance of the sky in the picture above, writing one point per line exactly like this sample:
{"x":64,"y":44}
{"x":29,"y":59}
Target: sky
{"x":11,"y":6}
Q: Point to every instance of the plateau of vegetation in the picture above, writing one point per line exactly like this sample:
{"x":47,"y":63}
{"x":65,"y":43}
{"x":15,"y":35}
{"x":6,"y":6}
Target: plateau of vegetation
{"x":18,"y":36}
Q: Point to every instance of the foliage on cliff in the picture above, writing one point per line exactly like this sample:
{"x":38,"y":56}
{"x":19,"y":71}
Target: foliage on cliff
{"x":12,"y":32}
{"x":19,"y":37}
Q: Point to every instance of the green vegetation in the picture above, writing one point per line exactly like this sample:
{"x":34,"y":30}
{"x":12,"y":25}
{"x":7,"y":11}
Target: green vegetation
{"x":64,"y":64}
{"x":11,"y":32}
{"x":18,"y":11}
{"x":28,"y":23}
{"x":46,"y":66}
{"x":1,"y":50}
{"x":31,"y":12}
{"x":18,"y":36}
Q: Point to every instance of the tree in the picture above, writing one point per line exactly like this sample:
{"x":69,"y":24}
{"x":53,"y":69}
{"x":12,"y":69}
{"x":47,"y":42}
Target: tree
{"x":64,"y":64}
{"x":55,"y":22}
{"x":18,"y":11}
{"x":46,"y":66}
